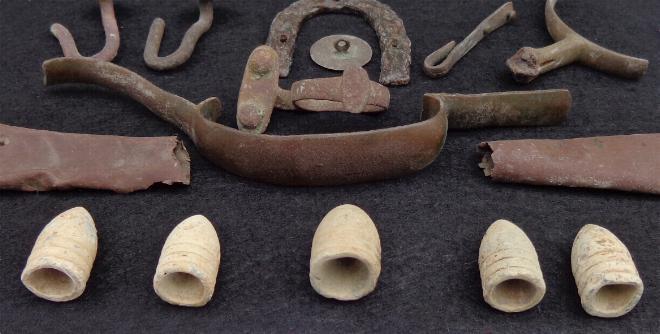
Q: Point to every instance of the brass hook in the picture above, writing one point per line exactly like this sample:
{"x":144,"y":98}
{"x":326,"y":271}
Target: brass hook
{"x":450,"y":54}
{"x":112,"y":41}
{"x":185,"y":50}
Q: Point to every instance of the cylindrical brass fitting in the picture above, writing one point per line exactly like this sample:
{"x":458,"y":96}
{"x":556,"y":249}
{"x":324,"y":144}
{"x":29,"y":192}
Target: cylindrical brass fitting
{"x":511,"y":276}
{"x":62,"y":257}
{"x":189,"y":263}
{"x":345,"y":261}
{"x":606,"y":277}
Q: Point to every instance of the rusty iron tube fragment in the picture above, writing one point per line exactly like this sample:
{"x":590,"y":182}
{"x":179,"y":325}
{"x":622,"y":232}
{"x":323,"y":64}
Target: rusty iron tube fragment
{"x":297,"y":160}
{"x":528,"y":63}
{"x":112,"y":40}
{"x":394,"y":42}
{"x":451,"y":53}
{"x":38,"y":160}
{"x":628,"y":163}
{"x":185,"y":50}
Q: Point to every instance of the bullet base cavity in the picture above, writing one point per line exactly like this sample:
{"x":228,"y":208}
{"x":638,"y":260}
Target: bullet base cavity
{"x":516,"y":294}
{"x":342,"y":278}
{"x":180,"y":288}
{"x":50,"y":283}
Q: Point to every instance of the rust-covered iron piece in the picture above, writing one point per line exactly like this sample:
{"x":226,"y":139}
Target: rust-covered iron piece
{"x":38,"y":160}
{"x":112,"y":41}
{"x":260,"y":92}
{"x":185,"y":50}
{"x":448,"y":55}
{"x":629,"y":163}
{"x":301,"y":160}
{"x":570,"y":47}
{"x":394,"y":42}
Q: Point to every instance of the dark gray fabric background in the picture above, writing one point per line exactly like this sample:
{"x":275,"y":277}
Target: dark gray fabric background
{"x":430,"y":223}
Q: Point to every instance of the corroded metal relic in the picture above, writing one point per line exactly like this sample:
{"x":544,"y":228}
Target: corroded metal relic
{"x":394,"y":43}
{"x":260,"y":92}
{"x":628,"y":163}
{"x":109,"y":51}
{"x":339,"y":52}
{"x":38,"y":160}
{"x":185,"y":50}
{"x":451,"y":53}
{"x":528,"y":63}
{"x":319,"y":159}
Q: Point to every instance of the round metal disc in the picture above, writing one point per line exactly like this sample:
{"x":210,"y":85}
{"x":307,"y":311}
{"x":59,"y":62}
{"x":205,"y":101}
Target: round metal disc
{"x":337,"y":52}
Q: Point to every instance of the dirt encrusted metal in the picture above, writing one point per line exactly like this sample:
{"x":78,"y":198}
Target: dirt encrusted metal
{"x":304,"y":160}
{"x":185,"y":50}
{"x":628,"y":163}
{"x":394,"y":43}
{"x":570,"y":47}
{"x":39,"y":160}
{"x":112,"y":40}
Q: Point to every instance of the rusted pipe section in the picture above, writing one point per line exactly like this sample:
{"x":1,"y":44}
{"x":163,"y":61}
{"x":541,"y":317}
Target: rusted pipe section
{"x":628,"y":163}
{"x":260,"y":92}
{"x":298,"y":160}
{"x":112,"y":41}
{"x":394,"y":42}
{"x":38,"y":160}
{"x":185,"y":50}
{"x":528,"y":63}
{"x":451,"y":53}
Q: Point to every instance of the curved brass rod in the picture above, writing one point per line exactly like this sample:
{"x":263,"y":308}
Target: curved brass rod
{"x":451,"y":53}
{"x":112,"y":40}
{"x":528,"y":63}
{"x":318,"y":159}
{"x":190,"y":39}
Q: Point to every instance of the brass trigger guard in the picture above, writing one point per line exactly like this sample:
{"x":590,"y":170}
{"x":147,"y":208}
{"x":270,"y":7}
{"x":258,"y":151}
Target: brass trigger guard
{"x":260,"y":93}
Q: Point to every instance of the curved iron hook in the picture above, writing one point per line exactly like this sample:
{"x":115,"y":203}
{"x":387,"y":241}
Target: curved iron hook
{"x":451,"y":53}
{"x":112,"y":41}
{"x":185,"y":50}
{"x":528,"y":63}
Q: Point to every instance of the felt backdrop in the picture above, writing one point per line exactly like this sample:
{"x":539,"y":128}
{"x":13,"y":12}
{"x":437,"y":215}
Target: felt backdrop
{"x":430,"y":223}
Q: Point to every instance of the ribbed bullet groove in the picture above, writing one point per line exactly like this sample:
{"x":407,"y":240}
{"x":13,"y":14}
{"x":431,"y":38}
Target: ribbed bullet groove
{"x":62,"y":257}
{"x":345,"y":260}
{"x":605,"y":274}
{"x":189,"y":264}
{"x":511,"y":276}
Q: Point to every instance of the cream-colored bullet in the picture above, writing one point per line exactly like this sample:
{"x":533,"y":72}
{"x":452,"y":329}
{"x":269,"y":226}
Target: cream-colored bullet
{"x":345,"y":261}
{"x":189,"y":263}
{"x":605,"y":274}
{"x":511,"y":276}
{"x":62,"y":257}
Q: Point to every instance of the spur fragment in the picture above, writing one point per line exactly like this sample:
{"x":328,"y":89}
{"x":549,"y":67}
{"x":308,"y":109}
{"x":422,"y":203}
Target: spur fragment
{"x":628,"y":163}
{"x":112,"y":41}
{"x":38,"y":160}
{"x":451,"y":53}
{"x":185,"y":50}
{"x":394,"y":42}
{"x":528,"y":63}
{"x":303,"y":160}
